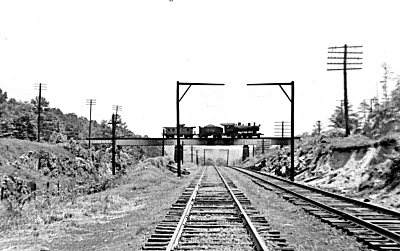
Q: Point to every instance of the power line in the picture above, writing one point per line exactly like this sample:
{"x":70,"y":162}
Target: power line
{"x":41,"y":87}
{"x":345,"y":69}
{"x":90,"y":102}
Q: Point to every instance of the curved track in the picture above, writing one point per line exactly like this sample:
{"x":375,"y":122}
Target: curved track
{"x":212,"y":214}
{"x":376,"y":226}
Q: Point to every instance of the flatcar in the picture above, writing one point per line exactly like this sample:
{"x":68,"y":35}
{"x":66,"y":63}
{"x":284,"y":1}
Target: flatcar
{"x":184,"y":131}
{"x":210,"y":130}
{"x":241,"y":130}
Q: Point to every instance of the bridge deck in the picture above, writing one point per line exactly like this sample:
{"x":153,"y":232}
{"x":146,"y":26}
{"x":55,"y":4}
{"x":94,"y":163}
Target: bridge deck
{"x":214,"y":142}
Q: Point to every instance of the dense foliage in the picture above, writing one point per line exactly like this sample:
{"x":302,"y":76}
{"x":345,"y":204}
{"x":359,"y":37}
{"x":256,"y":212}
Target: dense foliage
{"x":19,"y":119}
{"x":375,"y":117}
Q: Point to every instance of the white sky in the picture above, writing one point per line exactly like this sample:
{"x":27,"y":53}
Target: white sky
{"x":131,"y":53}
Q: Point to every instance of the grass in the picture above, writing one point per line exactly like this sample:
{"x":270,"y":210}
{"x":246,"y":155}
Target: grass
{"x":71,"y":221}
{"x":12,"y":149}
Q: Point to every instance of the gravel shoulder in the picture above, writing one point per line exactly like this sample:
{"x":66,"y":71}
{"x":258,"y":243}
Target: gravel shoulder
{"x":301,"y":230}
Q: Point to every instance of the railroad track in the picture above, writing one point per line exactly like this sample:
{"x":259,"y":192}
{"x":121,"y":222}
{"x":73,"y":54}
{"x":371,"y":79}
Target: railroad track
{"x":212,"y":214}
{"x":376,"y":226}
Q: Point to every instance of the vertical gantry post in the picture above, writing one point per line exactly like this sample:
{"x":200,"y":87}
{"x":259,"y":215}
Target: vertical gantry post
{"x":177,"y":117}
{"x":292,"y":135}
{"x":291,"y":99}
{"x":178,"y":135}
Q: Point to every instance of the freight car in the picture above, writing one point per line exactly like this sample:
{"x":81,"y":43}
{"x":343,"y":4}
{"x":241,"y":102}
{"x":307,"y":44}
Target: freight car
{"x":185,"y":131}
{"x":241,"y":130}
{"x":210,"y":130}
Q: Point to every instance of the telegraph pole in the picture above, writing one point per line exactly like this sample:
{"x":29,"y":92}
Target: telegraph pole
{"x":90,"y":102}
{"x":41,"y":87}
{"x":204,"y":161}
{"x":281,"y":128}
{"x":163,"y":143}
{"x":319,"y":127}
{"x":371,"y":101}
{"x":114,"y":118}
{"x":227,"y":158}
{"x":191,"y":153}
{"x":341,"y":104}
{"x":343,"y":50}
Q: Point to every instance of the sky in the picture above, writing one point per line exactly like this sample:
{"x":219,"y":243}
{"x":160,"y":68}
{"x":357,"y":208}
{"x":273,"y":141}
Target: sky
{"x":132,"y":53}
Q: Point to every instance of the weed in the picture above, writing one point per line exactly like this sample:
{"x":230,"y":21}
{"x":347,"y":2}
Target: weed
{"x":140,"y":229}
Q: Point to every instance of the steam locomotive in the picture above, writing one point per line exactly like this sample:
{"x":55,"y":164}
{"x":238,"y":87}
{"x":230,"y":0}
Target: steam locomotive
{"x":231,"y":130}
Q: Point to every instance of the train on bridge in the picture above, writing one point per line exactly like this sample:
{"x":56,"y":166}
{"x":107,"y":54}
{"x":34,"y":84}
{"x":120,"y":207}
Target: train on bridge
{"x":230,"y":130}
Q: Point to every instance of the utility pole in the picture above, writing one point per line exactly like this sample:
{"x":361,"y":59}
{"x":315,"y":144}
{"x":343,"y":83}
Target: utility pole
{"x":163,"y":143}
{"x":319,"y":127}
{"x":41,"y":87}
{"x":371,"y":101}
{"x":204,"y":161}
{"x":191,"y":153}
{"x":114,"y":122}
{"x":341,"y":104}
{"x":281,"y":128}
{"x":90,"y":102}
{"x":343,"y":50}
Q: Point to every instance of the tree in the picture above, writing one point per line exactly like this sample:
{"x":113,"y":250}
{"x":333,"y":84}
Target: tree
{"x":43,"y":102}
{"x":363,"y":109}
{"x":316,"y":128}
{"x":387,"y":75}
{"x":3,"y":96}
{"x":338,"y":121}
{"x":396,"y":94}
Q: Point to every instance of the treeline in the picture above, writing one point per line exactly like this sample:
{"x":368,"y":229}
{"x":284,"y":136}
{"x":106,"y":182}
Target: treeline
{"x":19,"y":119}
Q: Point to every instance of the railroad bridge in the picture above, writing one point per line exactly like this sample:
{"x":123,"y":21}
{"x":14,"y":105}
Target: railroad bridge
{"x":263,"y":141}
{"x":259,"y":143}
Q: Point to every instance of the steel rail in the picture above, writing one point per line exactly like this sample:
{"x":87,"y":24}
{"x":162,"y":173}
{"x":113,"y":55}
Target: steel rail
{"x":336,"y":196}
{"x":384,"y":232}
{"x":259,"y":243}
{"x":179,"y":228}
